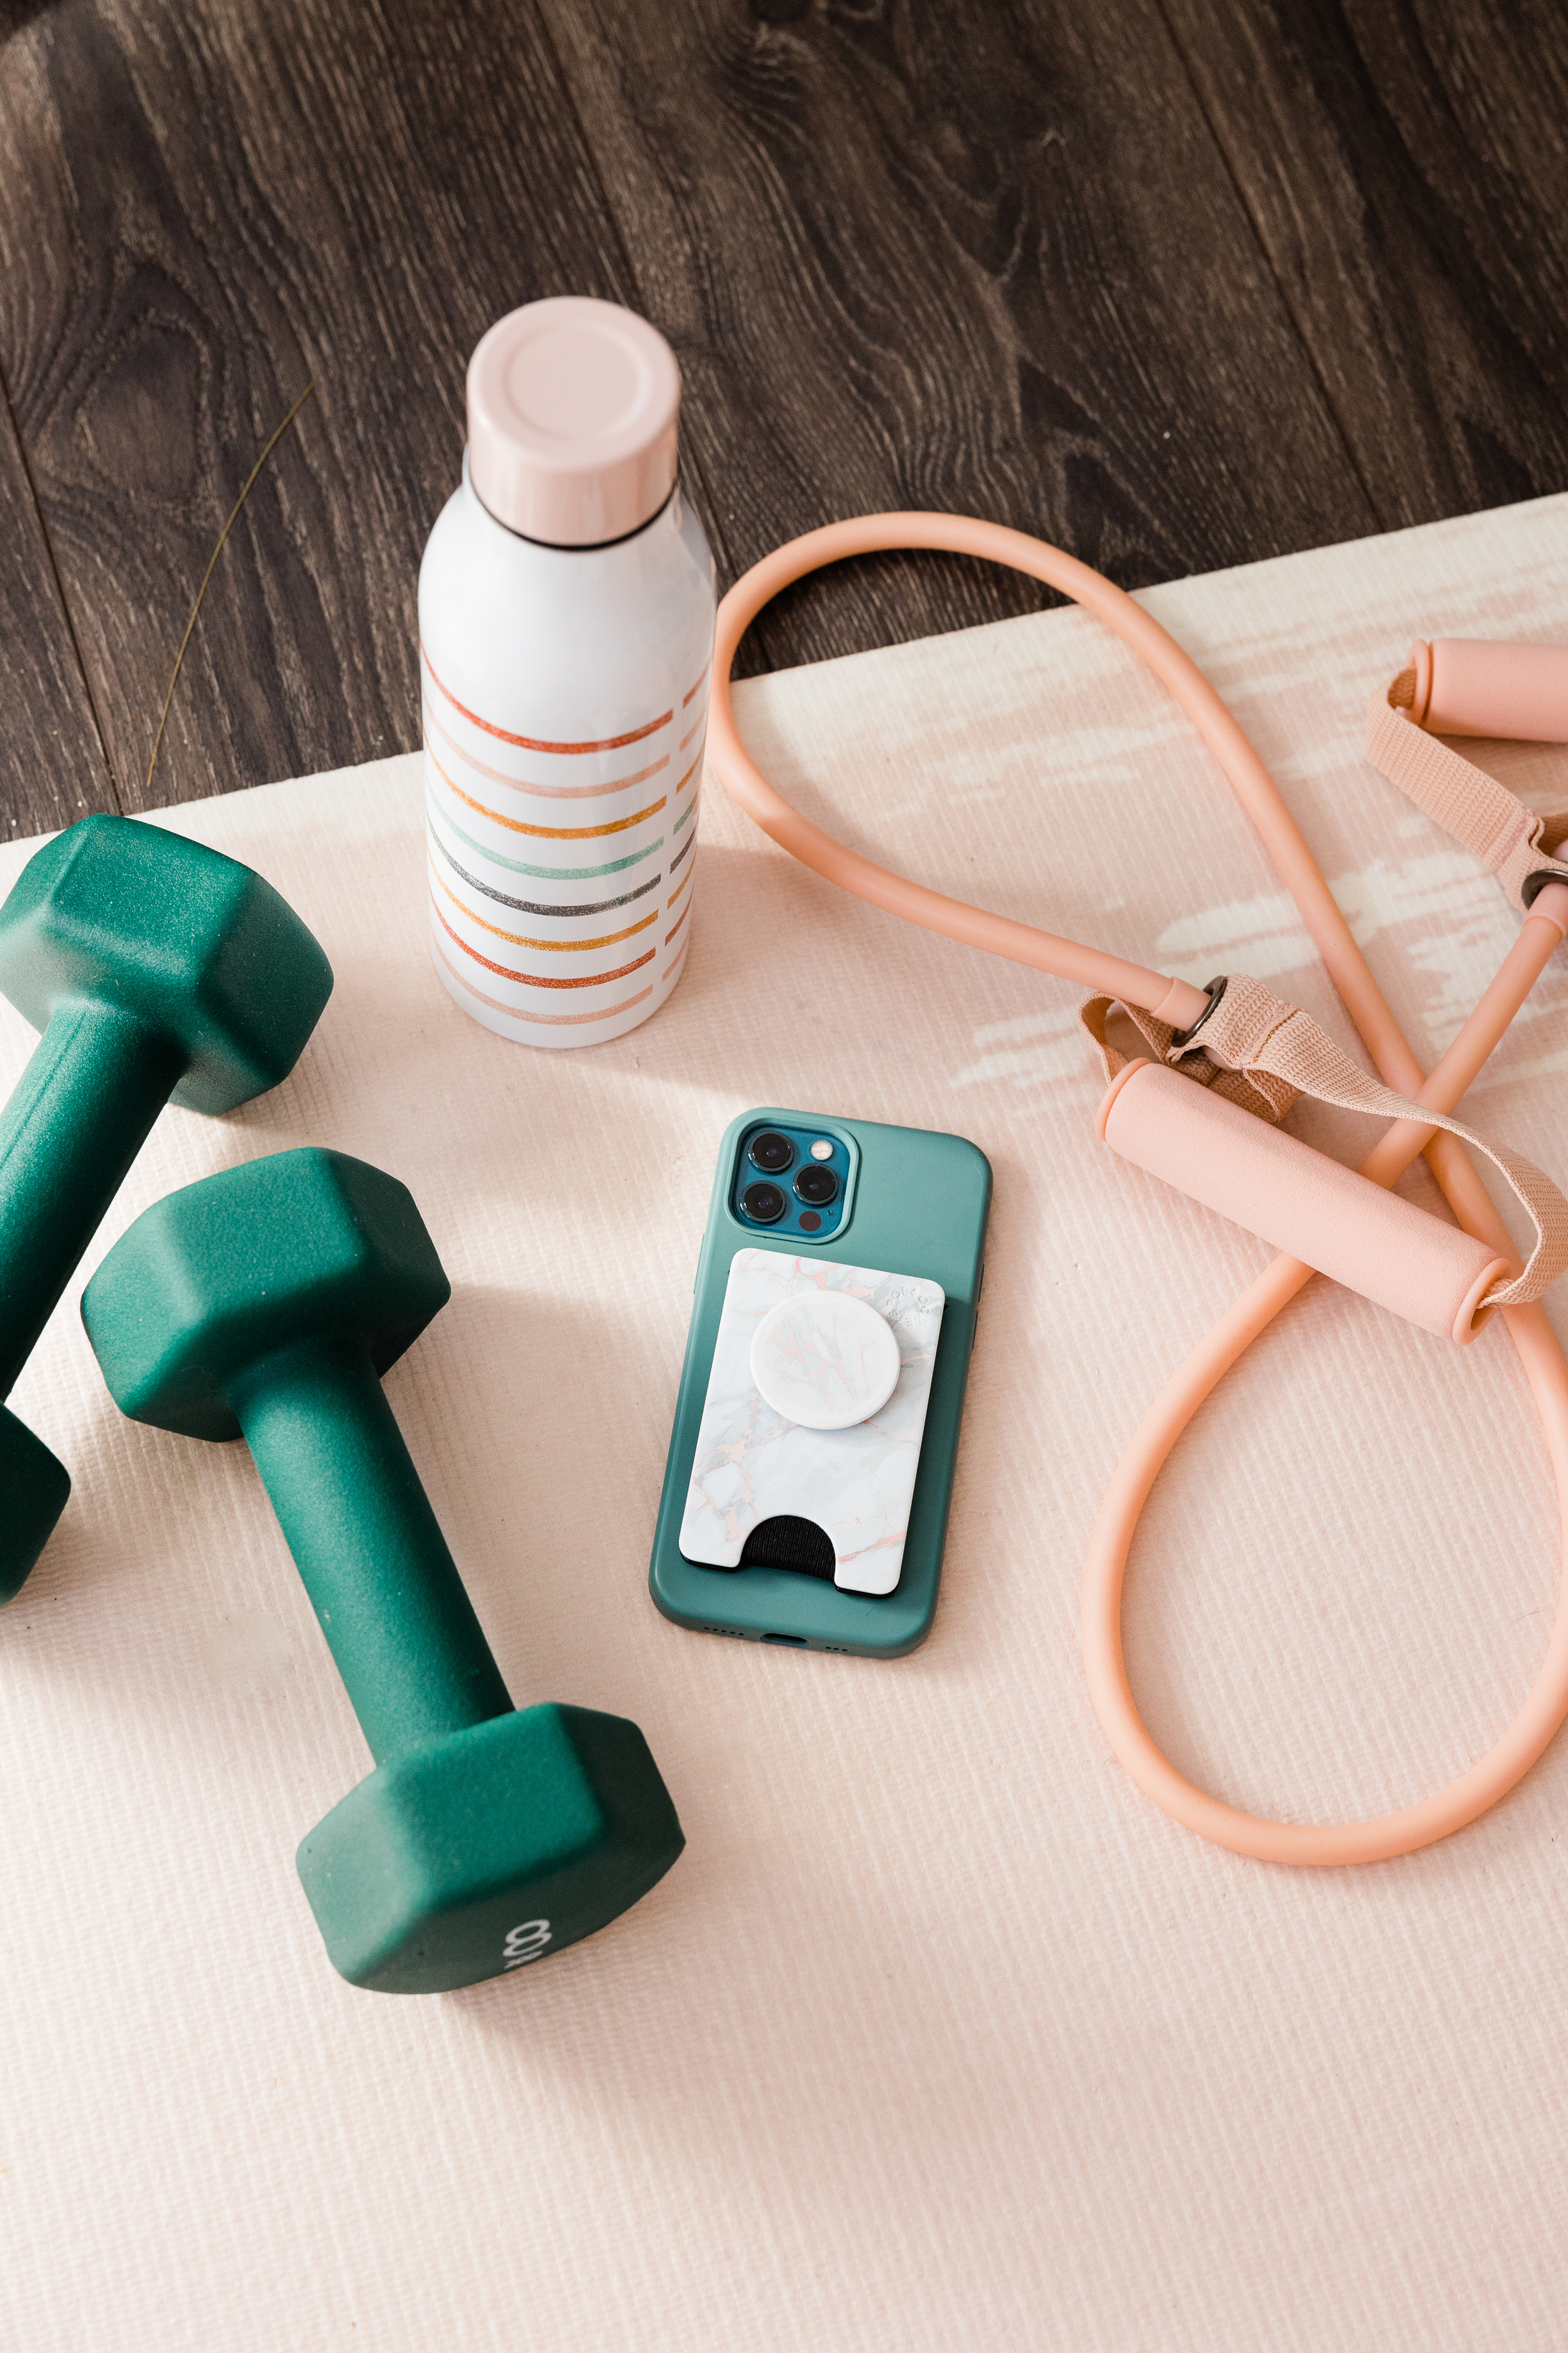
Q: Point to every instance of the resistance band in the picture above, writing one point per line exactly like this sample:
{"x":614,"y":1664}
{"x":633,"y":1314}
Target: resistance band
{"x":1248,"y":1044}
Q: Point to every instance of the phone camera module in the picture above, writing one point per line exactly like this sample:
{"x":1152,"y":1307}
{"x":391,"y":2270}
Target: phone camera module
{"x":764,"y":1204}
{"x":816,"y":1186}
{"x":771,"y":1153}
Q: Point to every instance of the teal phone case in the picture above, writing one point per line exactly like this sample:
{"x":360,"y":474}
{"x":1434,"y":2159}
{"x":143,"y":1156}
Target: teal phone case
{"x":918,"y":1203}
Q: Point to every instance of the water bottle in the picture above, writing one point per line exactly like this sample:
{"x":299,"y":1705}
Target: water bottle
{"x":566,"y":635}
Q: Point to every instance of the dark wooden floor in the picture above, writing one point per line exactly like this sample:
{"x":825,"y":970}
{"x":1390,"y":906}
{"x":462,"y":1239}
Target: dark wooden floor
{"x":1177,"y":282}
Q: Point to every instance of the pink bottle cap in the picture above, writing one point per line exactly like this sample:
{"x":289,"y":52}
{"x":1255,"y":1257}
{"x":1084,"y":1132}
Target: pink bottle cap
{"x":571,"y":414}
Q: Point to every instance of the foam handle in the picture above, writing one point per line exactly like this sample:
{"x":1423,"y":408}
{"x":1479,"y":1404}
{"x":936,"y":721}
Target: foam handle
{"x":1472,"y":686}
{"x":1300,"y":1200}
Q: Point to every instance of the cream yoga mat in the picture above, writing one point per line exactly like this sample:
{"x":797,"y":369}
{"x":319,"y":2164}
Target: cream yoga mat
{"x":938,"y":2034}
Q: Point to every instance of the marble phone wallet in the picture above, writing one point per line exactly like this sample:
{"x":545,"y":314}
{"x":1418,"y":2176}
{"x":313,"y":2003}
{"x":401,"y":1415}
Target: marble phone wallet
{"x":815,"y":1409}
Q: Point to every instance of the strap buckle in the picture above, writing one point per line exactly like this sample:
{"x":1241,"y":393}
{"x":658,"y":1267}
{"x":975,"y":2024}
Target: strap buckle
{"x":1187,"y":1040}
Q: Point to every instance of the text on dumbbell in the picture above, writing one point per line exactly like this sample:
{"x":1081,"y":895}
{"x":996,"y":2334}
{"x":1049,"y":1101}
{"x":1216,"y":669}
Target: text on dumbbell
{"x":524,"y":1944}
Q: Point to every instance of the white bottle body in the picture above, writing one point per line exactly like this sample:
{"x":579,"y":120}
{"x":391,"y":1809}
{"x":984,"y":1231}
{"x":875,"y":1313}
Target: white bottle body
{"x":563,"y":698}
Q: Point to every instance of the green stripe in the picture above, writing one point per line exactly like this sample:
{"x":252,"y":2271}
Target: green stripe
{"x":680,"y":820}
{"x":548,"y":873}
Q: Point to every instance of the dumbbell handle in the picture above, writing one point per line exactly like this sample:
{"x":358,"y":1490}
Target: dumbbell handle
{"x":82,"y":1112}
{"x":398,"y":1622}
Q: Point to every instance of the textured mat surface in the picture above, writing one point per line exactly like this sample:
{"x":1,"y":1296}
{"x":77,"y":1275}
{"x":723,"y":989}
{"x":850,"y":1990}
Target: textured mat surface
{"x":938,"y":2033}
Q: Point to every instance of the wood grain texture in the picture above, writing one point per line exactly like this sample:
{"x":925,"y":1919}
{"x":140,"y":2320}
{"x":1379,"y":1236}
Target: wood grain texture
{"x":52,"y":765}
{"x":206,"y":206}
{"x":1407,"y":174}
{"x":985,"y":257}
{"x":1180,"y":286}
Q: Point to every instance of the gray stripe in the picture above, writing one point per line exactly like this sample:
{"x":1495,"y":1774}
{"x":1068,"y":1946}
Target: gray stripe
{"x":537,"y":907}
{"x":689,"y":844}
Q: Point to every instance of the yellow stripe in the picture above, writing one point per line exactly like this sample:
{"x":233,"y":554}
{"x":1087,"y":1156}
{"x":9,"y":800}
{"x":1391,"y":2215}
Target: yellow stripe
{"x":544,"y":832}
{"x":540,"y":979}
{"x":522,"y":940}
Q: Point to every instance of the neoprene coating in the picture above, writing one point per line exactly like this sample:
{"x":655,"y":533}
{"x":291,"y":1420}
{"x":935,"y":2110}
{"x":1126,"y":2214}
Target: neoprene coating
{"x":1542,"y":1357}
{"x":268,"y":1300}
{"x":158,"y":970}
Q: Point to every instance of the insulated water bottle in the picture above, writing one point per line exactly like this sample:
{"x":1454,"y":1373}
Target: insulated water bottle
{"x":566,"y":633}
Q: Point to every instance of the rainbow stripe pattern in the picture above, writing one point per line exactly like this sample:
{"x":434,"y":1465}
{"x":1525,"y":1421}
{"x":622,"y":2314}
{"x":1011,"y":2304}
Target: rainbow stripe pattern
{"x":560,"y":874}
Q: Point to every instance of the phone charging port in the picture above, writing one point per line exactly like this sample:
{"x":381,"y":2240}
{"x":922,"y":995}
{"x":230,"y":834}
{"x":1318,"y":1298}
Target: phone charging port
{"x":798,"y":1640}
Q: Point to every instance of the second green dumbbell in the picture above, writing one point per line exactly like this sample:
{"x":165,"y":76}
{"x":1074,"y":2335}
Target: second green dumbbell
{"x":158,"y":971}
{"x":266,"y":1302}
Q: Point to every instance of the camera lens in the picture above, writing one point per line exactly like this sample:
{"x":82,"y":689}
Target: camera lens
{"x":817,"y":1185}
{"x":764,"y":1203}
{"x":770,"y":1152}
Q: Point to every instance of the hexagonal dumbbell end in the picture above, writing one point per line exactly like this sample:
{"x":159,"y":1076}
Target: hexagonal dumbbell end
{"x":266,"y":1302}
{"x":490,"y":1848}
{"x":154,"y":968}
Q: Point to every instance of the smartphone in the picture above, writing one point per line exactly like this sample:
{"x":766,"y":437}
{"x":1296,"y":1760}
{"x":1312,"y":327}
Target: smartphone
{"x":775,"y":1533}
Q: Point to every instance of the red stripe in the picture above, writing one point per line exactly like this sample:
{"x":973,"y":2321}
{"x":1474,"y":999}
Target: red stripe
{"x":531,"y":785}
{"x":544,"y":1020}
{"x":691,"y":691}
{"x":676,"y":925}
{"x":540,"y":979}
{"x":536,"y":743}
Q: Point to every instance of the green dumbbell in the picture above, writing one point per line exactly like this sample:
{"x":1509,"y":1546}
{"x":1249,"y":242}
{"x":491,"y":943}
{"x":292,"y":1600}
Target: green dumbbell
{"x":265,"y":1303}
{"x":157,"y":971}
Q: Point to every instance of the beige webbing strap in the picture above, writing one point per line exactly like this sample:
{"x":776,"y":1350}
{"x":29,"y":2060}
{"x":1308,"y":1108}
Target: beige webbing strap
{"x":1462,"y":798}
{"x":1268,"y":1097}
{"x":1278,"y":1053}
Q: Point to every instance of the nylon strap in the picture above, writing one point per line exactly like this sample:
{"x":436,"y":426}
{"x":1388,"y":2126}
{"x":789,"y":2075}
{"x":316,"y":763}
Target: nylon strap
{"x":1270,"y":1097}
{"x":1462,"y":798}
{"x":1262,"y":1053}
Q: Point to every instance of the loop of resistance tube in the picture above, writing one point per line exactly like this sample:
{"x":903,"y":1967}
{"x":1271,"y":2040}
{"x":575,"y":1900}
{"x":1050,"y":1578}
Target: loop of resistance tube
{"x":1177,"y":1002}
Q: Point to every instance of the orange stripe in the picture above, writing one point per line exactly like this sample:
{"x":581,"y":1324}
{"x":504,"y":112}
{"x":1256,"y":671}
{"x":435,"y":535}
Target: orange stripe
{"x":690,"y":692}
{"x":678,"y":920}
{"x":540,"y":979}
{"x":545,"y":832}
{"x":561,"y":947}
{"x":679,"y":888}
{"x":537,"y":743}
{"x":544,"y":792}
{"x":544,"y":1020}
{"x":690,"y":774}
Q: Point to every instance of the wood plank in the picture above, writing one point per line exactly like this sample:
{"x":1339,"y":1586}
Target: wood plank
{"x":205,"y":206}
{"x":969,"y":258}
{"x":992,"y":260}
{"x":52,"y":765}
{"x":1406,"y":173}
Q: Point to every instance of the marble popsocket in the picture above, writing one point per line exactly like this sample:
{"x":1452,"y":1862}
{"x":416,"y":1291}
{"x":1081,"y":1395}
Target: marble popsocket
{"x":815,"y":1407}
{"x":824,"y":1360}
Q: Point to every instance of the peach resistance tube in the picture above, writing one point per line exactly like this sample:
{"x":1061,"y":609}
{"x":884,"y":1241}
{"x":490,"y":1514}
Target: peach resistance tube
{"x":1279,"y":1188}
{"x":1177,"y":1002}
{"x":1470,"y":686}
